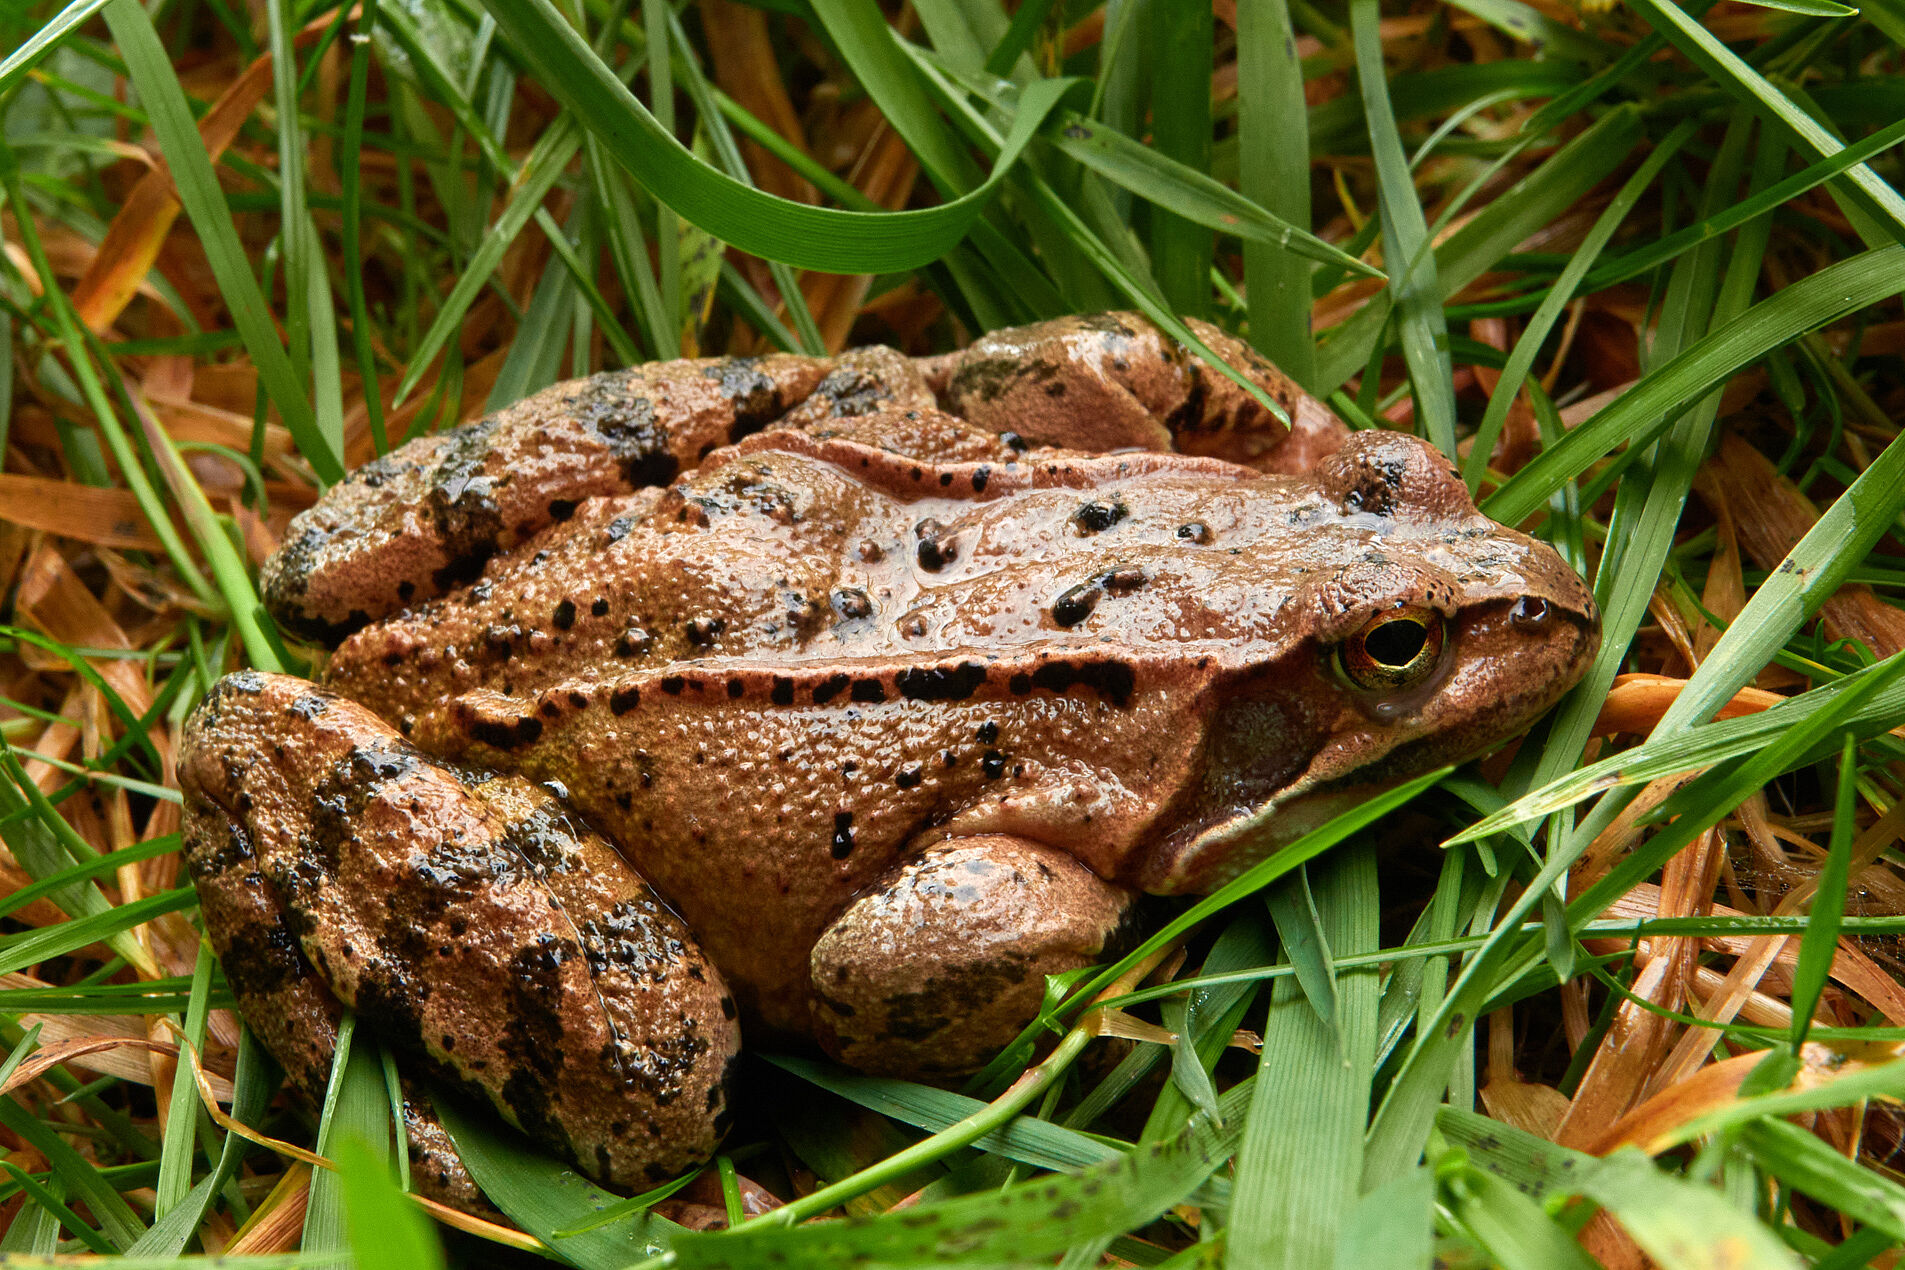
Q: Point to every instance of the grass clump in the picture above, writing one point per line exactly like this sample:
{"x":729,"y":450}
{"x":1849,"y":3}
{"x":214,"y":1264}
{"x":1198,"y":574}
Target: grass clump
{"x":1634,"y":267}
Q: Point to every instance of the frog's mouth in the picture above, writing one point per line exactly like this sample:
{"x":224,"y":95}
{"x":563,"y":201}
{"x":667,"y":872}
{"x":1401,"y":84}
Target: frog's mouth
{"x":1502,"y":679}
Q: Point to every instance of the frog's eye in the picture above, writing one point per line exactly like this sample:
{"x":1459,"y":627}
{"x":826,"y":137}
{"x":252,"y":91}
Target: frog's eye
{"x":1394,"y":650}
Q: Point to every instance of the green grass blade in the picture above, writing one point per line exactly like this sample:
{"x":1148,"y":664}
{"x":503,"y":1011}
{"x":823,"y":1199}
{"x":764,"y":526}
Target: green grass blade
{"x":1821,"y":940}
{"x":310,"y":329}
{"x":1181,"y":51}
{"x":1514,"y":1229}
{"x":45,"y":1199}
{"x":45,"y":845}
{"x":351,"y":189}
{"x":1802,"y":1161}
{"x":45,"y":40}
{"x":1681,"y":1225}
{"x":1026,"y":1139}
{"x":1733,"y":74}
{"x":811,"y":237}
{"x":1390,"y":1227}
{"x":150,"y":68}
{"x":1274,"y":173}
{"x":553,"y":150}
{"x":1205,"y":1018}
{"x":1018,"y":37}
{"x":354,"y":1108}
{"x":1258,"y":876}
{"x":1702,"y":804}
{"x":1406,"y":248}
{"x":661,"y":98}
{"x":252,"y":1090}
{"x":1639,"y":415}
{"x":74,"y":337}
{"x":1687,"y":748}
{"x":1533,"y":202}
{"x":31,"y":947}
{"x":1644,"y":258}
{"x":1525,"y":22}
{"x":116,"y":1219}
{"x":1289,"y":1208}
{"x":543,"y":1197}
{"x":1188,"y":193}
{"x":1029,"y":1221}
{"x":714,"y":126}
{"x":387,"y":1231}
{"x":181,"y":1129}
{"x":1535,"y":334}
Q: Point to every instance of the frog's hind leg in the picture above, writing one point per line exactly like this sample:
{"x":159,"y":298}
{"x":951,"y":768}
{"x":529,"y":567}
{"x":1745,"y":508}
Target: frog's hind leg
{"x":1113,"y":381}
{"x":427,"y":516}
{"x":936,"y":970}
{"x":284,"y":1002}
{"x":473,"y":925}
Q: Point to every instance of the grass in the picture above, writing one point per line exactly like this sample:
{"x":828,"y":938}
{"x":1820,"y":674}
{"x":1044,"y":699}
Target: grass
{"x":1635,"y":266}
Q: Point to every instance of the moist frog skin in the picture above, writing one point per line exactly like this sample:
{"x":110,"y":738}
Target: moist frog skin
{"x":824,"y":701}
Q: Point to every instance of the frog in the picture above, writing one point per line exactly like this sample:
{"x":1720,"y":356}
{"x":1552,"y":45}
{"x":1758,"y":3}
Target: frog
{"x":837,"y":701}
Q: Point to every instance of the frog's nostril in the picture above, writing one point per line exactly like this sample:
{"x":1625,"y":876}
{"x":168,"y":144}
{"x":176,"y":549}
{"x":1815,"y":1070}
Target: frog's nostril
{"x":1531,"y":613}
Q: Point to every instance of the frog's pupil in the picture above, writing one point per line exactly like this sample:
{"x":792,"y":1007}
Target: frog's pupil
{"x":1396,"y":643}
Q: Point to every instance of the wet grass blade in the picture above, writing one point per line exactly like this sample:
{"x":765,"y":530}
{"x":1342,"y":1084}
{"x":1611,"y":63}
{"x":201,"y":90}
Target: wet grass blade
{"x":82,"y":1180}
{"x":180,"y":1143}
{"x":1687,"y":748}
{"x":310,"y":328}
{"x":1480,"y":243}
{"x":1407,"y":255}
{"x":1026,"y":1139}
{"x":543,"y":1196}
{"x":1681,"y":1224}
{"x":1273,"y":171}
{"x":1521,"y":360}
{"x":1390,"y":1227}
{"x":1028,"y":1221}
{"x":1802,"y":1161}
{"x":1181,"y":37}
{"x":387,"y":1231}
{"x":1289,"y":1209}
{"x":43,"y":41}
{"x":354,"y":1107}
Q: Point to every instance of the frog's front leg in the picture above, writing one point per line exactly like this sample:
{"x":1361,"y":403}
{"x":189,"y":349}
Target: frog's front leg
{"x":472,"y":924}
{"x":937,"y":969}
{"x":1113,"y":381}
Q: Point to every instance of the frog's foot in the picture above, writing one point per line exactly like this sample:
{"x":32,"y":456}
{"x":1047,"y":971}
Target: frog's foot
{"x":472,"y":924}
{"x":935,"y":971}
{"x":1113,"y":381}
{"x":427,"y":516}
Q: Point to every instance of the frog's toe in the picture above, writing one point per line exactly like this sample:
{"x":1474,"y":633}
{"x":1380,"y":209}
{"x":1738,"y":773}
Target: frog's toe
{"x":933,"y":972}
{"x":471,"y":922}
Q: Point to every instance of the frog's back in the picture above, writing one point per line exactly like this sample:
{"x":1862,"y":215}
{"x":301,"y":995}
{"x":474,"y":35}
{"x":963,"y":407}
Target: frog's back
{"x":774,"y":679}
{"x":771,"y":680}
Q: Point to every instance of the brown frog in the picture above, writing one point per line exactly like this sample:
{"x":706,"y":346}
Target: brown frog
{"x":897,"y":680}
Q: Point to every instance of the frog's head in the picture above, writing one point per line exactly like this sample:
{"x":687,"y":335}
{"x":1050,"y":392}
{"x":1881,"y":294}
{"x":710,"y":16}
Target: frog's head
{"x":1433,"y":635}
